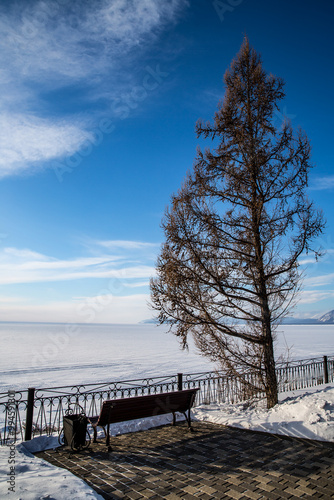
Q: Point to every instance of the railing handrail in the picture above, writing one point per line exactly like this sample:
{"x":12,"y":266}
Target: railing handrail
{"x":302,"y":361}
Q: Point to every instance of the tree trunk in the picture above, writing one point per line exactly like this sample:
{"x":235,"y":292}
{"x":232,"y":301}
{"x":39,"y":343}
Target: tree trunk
{"x":270,"y":382}
{"x":270,"y":372}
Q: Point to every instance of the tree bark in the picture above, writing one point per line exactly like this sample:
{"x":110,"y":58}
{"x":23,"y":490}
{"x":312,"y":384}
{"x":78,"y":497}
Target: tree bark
{"x":270,"y":372}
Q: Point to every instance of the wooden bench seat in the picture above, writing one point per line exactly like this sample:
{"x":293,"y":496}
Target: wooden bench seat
{"x":121,"y":410}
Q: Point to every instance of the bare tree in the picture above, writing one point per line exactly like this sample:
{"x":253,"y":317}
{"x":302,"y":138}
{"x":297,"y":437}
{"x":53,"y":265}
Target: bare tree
{"x":228,"y":270}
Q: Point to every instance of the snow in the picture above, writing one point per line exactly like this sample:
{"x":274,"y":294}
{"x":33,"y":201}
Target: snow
{"x":308,"y":414}
{"x":37,"y":479}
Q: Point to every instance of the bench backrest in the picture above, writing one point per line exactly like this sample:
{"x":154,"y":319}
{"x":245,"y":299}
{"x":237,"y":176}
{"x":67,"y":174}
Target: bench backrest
{"x":119,"y":410}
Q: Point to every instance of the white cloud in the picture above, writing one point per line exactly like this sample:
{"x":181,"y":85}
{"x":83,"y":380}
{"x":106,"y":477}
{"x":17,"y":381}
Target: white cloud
{"x":114,"y":297}
{"x":109,"y":308}
{"x":94,"y":309}
{"x":47,"y":46}
{"x":27,"y":140}
{"x":314,"y":296}
{"x":81,"y":39}
{"x":8,"y":301}
{"x":307,"y":260}
{"x":127,"y":245}
{"x":25,"y":266}
{"x":321,"y":183}
{"x":320,"y":280}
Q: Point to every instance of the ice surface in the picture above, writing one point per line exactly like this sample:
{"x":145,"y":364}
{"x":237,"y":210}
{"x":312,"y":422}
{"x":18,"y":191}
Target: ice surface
{"x":44,"y":355}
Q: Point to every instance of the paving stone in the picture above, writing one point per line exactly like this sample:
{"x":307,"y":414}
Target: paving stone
{"x":252,"y":494}
{"x":234,"y":494}
{"x":148,"y":493}
{"x":188,"y":496}
{"x":234,"y":480}
{"x":213,"y":462}
{"x":208,"y":489}
{"x":222,"y":487}
{"x":267,"y":487}
{"x":191,"y":490}
{"x":272,"y":496}
{"x":205,"y":496}
{"x":306,"y":490}
{"x":294,"y":492}
{"x":134,"y":495}
{"x":325,"y":491}
{"x":118,"y":494}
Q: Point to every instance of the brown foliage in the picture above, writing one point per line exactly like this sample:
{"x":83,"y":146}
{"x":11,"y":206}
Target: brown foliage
{"x":228,"y":270}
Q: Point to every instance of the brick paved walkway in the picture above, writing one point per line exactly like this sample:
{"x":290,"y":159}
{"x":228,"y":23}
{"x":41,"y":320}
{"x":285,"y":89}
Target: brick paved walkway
{"x":213,"y":462}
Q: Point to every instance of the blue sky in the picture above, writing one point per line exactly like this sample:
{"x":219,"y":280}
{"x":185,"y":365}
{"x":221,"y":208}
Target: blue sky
{"x":98,"y":102}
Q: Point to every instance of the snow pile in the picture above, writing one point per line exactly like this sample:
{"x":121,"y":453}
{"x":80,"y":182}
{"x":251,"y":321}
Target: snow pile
{"x":309,"y":415}
{"x":31,"y":478}
{"x":303,"y":415}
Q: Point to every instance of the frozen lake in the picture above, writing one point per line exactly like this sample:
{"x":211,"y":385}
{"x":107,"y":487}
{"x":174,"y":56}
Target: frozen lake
{"x":44,"y":355}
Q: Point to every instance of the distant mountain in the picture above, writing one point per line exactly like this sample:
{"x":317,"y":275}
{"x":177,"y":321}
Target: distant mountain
{"x":327,"y":318}
{"x":151,"y":321}
{"x":299,"y":321}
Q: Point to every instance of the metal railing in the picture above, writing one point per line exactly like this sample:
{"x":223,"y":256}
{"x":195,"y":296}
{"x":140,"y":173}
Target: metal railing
{"x":25,"y":414}
{"x":301,"y":374}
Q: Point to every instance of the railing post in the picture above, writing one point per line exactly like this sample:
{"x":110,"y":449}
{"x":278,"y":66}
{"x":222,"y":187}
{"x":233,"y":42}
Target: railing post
{"x":325,"y":370}
{"x":179,"y":381}
{"x":30,"y":413}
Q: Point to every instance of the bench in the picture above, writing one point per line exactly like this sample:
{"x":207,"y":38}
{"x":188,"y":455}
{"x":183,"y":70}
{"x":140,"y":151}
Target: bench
{"x":121,"y":410}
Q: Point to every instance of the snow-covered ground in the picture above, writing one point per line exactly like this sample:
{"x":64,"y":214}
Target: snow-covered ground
{"x":308,"y":414}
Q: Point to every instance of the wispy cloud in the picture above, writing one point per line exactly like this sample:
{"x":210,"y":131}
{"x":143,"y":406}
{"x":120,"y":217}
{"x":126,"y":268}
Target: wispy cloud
{"x":127,"y":245}
{"x":307,"y":260}
{"x":327,"y":253}
{"x":26,"y":266}
{"x":46,"y":47}
{"x":27,"y":140}
{"x":315,"y":296}
{"x":92,"y":309}
{"x":320,"y":280}
{"x":80,"y":39}
{"x":322,"y":183}
{"x":117,"y":291}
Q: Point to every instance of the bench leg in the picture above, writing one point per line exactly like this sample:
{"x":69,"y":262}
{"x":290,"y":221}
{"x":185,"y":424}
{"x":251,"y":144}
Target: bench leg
{"x":108,"y":430}
{"x":108,"y":439}
{"x":188,"y":419}
{"x":95,"y":432}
